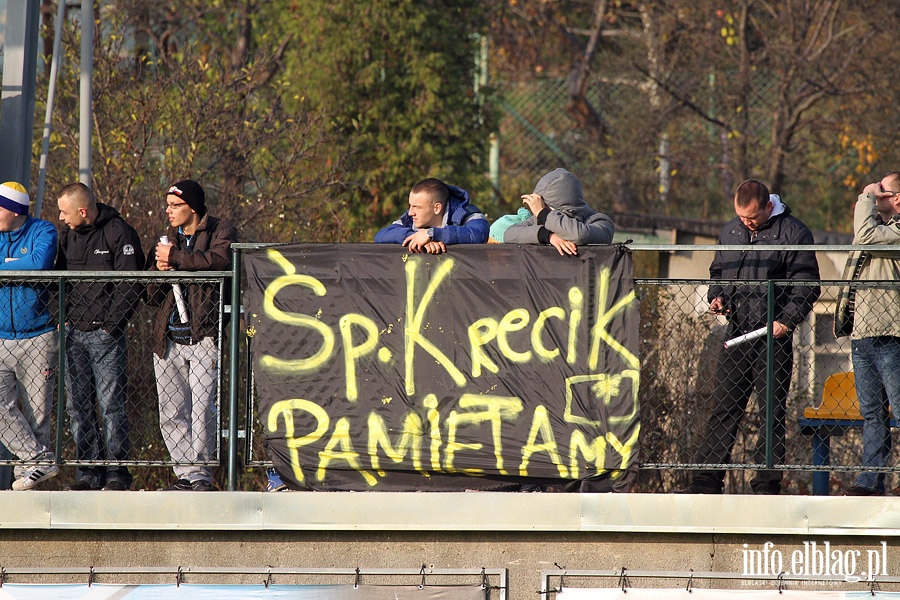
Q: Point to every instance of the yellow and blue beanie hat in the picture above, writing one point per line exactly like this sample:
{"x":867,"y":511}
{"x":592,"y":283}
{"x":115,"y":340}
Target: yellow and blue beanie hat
{"x":14,"y":197}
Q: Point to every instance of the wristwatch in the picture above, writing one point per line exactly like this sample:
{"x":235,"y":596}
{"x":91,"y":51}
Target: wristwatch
{"x":430,"y":233}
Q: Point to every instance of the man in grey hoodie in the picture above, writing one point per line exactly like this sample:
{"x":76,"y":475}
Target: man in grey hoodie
{"x":560,"y":216}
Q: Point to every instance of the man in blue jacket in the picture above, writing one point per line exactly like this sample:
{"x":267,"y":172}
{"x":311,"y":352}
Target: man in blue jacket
{"x":439,"y":215}
{"x":28,"y":342}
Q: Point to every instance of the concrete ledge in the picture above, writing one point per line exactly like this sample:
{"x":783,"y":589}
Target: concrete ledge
{"x":450,"y":512}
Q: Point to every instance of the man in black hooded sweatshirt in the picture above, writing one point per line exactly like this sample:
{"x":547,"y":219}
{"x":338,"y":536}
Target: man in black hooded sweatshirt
{"x":97,"y":238}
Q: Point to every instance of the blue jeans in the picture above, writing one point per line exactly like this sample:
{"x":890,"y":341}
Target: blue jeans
{"x":95,"y":382}
{"x":876,"y":367}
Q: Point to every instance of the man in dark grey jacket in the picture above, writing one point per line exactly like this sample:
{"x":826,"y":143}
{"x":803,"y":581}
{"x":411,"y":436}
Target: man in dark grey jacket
{"x":762,"y":220}
{"x":561,"y":217}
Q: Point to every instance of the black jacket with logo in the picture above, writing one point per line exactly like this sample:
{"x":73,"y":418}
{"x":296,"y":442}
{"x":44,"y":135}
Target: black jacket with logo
{"x":107,"y":244}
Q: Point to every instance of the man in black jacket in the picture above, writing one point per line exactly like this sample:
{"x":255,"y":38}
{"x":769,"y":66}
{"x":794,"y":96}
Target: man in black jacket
{"x":96,"y":315}
{"x":762,"y":220}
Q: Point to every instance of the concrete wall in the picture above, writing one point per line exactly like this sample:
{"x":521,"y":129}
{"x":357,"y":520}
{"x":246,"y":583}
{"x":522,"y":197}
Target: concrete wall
{"x":525,"y":534}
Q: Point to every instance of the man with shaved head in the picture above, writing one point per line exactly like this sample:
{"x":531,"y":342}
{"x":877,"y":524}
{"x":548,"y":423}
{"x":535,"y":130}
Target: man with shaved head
{"x":97,"y":238}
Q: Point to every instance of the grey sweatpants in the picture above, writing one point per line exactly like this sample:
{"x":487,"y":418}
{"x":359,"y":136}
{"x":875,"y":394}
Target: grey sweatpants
{"x":27,"y":380}
{"x":186,"y":382}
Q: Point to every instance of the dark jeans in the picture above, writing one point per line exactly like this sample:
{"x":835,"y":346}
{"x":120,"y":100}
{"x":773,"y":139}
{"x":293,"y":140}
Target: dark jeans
{"x":95,"y":382}
{"x":876,"y":367}
{"x":741,"y":370}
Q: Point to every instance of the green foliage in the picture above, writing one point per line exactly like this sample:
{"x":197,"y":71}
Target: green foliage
{"x":310,"y":120}
{"x":396,"y":79}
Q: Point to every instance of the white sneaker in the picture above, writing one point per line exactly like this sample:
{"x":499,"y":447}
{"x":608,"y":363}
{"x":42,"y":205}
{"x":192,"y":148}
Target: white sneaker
{"x":34,"y":476}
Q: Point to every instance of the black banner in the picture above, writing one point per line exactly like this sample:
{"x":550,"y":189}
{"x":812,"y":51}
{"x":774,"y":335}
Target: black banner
{"x":488,"y":367}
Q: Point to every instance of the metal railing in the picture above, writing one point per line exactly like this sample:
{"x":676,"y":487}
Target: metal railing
{"x":555,"y":582}
{"x":46,"y":302}
{"x":492,"y":581}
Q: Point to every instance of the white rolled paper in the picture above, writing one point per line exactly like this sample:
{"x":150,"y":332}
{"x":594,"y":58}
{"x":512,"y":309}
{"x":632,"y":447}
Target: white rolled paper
{"x":747,"y":337}
{"x":176,"y":289}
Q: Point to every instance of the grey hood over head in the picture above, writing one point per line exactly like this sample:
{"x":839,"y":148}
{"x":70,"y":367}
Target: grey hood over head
{"x":567,"y":215}
{"x":562,"y":191}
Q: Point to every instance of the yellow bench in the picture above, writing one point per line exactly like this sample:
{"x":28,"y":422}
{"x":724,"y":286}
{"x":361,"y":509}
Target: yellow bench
{"x":838,"y":399}
{"x":838,"y":411}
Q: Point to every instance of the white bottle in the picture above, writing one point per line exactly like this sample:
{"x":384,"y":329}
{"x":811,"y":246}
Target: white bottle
{"x":176,"y":289}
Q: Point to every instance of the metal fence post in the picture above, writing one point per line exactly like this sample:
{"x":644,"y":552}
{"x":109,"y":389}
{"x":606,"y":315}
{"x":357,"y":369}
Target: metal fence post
{"x":61,"y":377}
{"x":234,"y":366}
{"x":770,"y":373}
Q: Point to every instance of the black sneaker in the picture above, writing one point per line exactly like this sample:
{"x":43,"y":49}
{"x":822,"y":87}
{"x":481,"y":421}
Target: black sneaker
{"x":182,"y":485}
{"x":201,"y":485}
{"x":115,"y":486}
{"x":858,"y":490}
{"x":82,"y":485}
{"x":698,"y":489}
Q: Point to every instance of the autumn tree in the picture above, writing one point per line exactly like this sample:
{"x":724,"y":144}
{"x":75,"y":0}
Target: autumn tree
{"x":310,"y":120}
{"x":194,"y":94}
{"x":686,"y":98}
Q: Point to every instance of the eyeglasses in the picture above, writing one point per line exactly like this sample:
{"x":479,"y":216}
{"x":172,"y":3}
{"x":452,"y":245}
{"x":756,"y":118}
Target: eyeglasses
{"x":176,"y":204}
{"x":884,"y":191}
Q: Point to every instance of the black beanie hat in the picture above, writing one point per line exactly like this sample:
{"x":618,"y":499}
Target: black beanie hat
{"x":191,"y":192}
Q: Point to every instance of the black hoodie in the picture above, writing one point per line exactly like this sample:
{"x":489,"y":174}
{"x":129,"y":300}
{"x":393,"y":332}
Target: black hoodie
{"x":107,"y":244}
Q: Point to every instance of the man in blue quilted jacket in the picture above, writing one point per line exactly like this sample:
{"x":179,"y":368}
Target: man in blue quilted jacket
{"x":439,"y":215}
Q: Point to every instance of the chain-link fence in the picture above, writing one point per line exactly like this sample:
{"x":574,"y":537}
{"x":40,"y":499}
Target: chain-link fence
{"x":702,"y":401}
{"x":646,"y":143}
{"x":111,"y":398}
{"x":687,"y":377}
{"x":537,"y":134}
